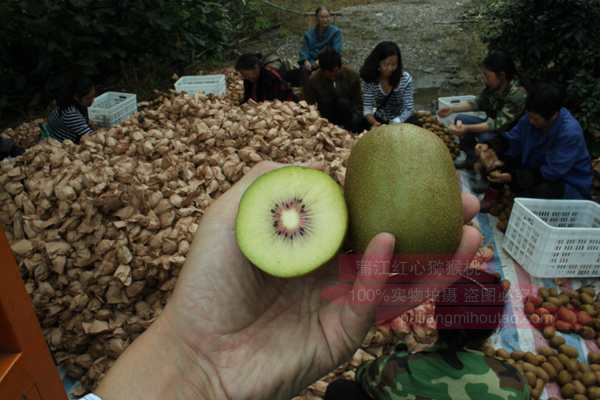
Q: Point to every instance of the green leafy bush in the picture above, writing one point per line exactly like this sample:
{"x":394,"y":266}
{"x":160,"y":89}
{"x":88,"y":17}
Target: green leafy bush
{"x":40,"y":40}
{"x":556,"y":40}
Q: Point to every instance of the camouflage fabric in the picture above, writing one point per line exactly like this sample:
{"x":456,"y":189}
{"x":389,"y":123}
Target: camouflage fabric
{"x":503,"y":109}
{"x":429,"y":376}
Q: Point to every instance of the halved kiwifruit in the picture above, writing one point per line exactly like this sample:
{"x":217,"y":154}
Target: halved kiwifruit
{"x":291,"y":221}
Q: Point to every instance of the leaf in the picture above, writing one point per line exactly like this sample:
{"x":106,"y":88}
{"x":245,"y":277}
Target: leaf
{"x":101,"y":36}
{"x":81,"y":20}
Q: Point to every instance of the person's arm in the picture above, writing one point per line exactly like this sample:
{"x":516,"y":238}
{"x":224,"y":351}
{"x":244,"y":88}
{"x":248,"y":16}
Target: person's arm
{"x":373,"y":377}
{"x":478,"y":128}
{"x":305,"y":49}
{"x":368,"y":94}
{"x":512,"y":109}
{"x":356,"y":97}
{"x":408,"y":102}
{"x":336,"y":41}
{"x":157,"y":365}
{"x":76,"y":123}
{"x":514,"y":139}
{"x":561,"y":157}
{"x":508,"y":144}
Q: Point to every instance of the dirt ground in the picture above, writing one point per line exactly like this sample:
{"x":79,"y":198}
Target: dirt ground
{"x":439,"y":51}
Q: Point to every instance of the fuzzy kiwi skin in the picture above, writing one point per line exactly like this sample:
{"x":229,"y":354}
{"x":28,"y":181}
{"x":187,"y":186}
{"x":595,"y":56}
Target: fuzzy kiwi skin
{"x":400,"y":179}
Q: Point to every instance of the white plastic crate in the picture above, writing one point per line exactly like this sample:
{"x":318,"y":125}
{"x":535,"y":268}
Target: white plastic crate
{"x":208,"y":84}
{"x":111,"y":108}
{"x":445,"y":102}
{"x":555,"y":238}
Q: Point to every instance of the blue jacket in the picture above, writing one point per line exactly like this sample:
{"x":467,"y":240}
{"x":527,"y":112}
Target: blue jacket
{"x":313,"y":43}
{"x":559,"y":155}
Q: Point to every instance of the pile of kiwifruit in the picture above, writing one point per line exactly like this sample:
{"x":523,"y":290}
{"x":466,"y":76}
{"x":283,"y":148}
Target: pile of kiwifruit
{"x":430,"y":122}
{"x":574,"y":311}
{"x":557,"y":363}
{"x":503,"y":208}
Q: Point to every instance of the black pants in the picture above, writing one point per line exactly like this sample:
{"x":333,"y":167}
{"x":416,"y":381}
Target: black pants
{"x":530,"y":183}
{"x":296,"y":77}
{"x":340,"y":111}
{"x":345,"y":390}
{"x":469,"y":140}
{"x":8,"y":148}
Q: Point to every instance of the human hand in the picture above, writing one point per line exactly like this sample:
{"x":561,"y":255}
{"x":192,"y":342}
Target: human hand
{"x":307,"y":65}
{"x":480,"y":148}
{"x":233,"y":322}
{"x":374,"y":123}
{"x":458,"y":128}
{"x":490,"y":160}
{"x":499,"y":177}
{"x":443,"y":112}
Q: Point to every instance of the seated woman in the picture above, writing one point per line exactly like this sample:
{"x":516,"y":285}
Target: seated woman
{"x":545,"y":155}
{"x":262,"y":83}
{"x":70,"y":121}
{"x":455,"y":368}
{"x":316,"y":39}
{"x":386,"y":88}
{"x":502,"y":99}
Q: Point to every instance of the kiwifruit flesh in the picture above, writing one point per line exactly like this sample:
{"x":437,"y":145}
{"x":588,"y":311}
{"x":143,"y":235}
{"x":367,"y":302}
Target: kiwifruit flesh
{"x":291,"y":221}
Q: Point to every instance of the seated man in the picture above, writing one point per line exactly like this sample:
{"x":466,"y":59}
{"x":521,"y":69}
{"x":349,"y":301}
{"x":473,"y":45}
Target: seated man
{"x":336,"y":91}
{"x":545,"y":155}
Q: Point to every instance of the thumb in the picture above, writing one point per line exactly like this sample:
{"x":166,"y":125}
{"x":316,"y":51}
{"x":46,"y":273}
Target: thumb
{"x":367,"y":291}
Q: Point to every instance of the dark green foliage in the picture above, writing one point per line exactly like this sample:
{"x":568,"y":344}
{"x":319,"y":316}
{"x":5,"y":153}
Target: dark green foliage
{"x":41,"y":40}
{"x":556,"y":40}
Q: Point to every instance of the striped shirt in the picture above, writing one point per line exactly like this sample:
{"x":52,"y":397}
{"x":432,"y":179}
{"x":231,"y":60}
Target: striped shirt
{"x":399,"y":107}
{"x":71,"y":125}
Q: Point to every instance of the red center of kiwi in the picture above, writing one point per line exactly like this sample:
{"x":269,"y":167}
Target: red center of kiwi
{"x":291,"y":218}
